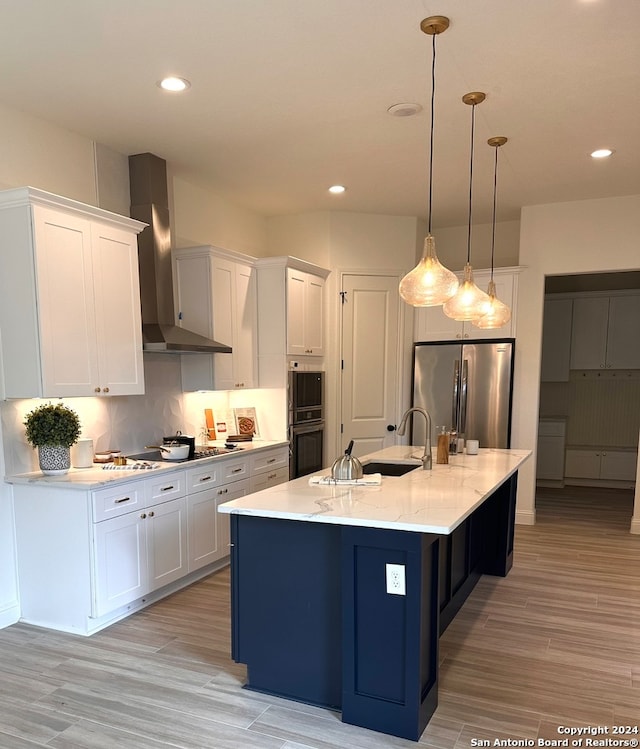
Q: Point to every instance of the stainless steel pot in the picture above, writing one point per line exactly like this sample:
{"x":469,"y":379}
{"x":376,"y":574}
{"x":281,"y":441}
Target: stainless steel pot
{"x":346,"y":467}
{"x":170,"y":451}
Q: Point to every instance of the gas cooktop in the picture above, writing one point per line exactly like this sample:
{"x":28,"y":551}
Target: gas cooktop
{"x":201,"y":452}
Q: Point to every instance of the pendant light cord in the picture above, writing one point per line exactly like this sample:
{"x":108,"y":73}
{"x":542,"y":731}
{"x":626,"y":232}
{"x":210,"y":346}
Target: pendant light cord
{"x":473,"y":123}
{"x":433,"y":96}
{"x":493,"y":221}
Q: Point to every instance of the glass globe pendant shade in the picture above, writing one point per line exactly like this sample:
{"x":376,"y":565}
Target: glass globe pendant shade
{"x":429,"y":283}
{"x":496,"y":312}
{"x":468,"y":302}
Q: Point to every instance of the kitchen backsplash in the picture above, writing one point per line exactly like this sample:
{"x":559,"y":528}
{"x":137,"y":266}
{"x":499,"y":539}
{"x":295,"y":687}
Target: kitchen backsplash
{"x":128,"y":423}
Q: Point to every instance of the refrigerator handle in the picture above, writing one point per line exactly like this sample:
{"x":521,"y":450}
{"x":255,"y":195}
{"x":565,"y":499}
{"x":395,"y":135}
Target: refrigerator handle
{"x":455,"y":395}
{"x":462,"y":427}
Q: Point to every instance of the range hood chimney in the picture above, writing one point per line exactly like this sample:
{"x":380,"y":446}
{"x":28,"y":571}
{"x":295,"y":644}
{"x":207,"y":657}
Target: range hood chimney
{"x":150,"y":203}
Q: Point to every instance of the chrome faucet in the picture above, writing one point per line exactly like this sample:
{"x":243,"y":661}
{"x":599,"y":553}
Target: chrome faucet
{"x":426,"y":458}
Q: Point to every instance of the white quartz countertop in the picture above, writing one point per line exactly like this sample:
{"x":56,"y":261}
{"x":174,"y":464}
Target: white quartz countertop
{"x":434,"y":501}
{"x":97,"y":476}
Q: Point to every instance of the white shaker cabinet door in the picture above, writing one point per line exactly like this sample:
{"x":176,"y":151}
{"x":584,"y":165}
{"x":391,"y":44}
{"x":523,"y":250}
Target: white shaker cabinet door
{"x":121,"y":569}
{"x":65,"y":299}
{"x":166,"y":526}
{"x":305,"y":313}
{"x":589,"y":332}
{"x":202,"y":525}
{"x":117,"y":310}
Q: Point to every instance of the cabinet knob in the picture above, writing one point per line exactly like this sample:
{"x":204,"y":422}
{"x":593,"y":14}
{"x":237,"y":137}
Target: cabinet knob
{"x":96,"y":390}
{"x":151,"y":514}
{"x":105,"y":390}
{"x":144,"y":515}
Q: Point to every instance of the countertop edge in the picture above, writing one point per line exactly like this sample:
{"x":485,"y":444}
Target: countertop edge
{"x":96,"y":477}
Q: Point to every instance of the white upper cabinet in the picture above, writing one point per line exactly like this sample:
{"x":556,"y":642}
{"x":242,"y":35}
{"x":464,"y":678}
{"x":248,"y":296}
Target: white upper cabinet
{"x":605,"y":333}
{"x":216,"y":297}
{"x":556,"y":340}
{"x":291,"y":314}
{"x":69,"y":298}
{"x":431,"y":324}
{"x":305,"y":313}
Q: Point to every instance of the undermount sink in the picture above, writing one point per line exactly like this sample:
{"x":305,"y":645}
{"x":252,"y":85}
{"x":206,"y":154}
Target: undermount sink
{"x":389,"y":469}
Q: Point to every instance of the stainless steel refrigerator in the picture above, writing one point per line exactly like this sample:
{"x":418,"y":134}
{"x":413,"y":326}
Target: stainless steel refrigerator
{"x":467,"y":387}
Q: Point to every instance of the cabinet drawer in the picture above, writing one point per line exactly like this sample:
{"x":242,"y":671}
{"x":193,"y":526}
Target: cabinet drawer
{"x":271,"y":460}
{"x":235,"y":469}
{"x":269,"y":478}
{"x":216,"y":472}
{"x":166,"y":487}
{"x":117,"y":500}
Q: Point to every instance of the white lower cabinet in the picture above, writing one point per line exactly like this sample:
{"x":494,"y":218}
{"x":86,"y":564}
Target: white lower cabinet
{"x":208,"y":487}
{"x":597,"y":466}
{"x":268,"y":468}
{"x":142,"y":550}
{"x":86,"y":559}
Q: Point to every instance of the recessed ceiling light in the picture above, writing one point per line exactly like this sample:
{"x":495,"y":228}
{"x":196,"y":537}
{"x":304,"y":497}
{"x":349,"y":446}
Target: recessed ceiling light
{"x":601,"y":153}
{"x":405,"y":109}
{"x":337,"y":189}
{"x":173,"y":83}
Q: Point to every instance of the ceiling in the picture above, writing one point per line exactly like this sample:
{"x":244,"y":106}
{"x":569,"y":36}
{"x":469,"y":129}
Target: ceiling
{"x":291,"y":96}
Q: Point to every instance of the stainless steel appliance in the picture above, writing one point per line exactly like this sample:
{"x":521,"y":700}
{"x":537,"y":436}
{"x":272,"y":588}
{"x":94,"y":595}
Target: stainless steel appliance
{"x":199,"y":453}
{"x":306,"y":422}
{"x":467,"y":387}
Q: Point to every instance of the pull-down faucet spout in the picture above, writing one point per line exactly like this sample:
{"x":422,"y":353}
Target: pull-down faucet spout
{"x":426,"y":458}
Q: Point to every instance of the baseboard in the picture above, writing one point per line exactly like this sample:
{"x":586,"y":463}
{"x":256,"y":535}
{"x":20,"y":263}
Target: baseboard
{"x":635,"y":526}
{"x":525,"y":518}
{"x":600,"y":483}
{"x":10,"y":614}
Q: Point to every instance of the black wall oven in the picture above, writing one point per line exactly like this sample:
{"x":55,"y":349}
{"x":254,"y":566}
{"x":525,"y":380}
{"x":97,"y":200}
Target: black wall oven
{"x":306,"y":422}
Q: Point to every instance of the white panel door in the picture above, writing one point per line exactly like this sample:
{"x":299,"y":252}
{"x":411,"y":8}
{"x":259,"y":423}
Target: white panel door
{"x":370,"y":354}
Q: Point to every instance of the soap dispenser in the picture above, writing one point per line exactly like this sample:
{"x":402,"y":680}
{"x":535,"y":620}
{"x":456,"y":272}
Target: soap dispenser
{"x":442,"y":453}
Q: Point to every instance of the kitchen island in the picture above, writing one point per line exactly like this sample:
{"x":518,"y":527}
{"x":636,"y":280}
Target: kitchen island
{"x":318,"y":613}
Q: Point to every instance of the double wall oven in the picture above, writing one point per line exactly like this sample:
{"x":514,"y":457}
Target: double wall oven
{"x":306,"y":422}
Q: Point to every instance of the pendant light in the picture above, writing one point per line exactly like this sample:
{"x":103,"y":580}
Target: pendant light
{"x":496,"y":313}
{"x":430,"y":283}
{"x":469,"y":299}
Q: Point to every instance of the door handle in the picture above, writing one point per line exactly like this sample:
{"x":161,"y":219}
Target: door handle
{"x":462,"y":427}
{"x":391,"y":427}
{"x":455,"y":396}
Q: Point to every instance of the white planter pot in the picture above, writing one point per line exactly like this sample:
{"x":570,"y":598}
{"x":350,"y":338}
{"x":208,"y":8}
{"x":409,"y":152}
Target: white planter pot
{"x":54,"y":460}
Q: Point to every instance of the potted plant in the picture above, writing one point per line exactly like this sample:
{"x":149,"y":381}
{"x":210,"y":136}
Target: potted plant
{"x":53,"y":429}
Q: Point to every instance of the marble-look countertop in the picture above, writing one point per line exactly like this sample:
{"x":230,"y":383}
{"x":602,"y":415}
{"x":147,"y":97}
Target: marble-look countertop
{"x":97,"y":476}
{"x":434,"y":501}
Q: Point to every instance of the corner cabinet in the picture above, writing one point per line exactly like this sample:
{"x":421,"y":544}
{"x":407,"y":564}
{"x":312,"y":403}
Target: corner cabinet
{"x":216,"y":297}
{"x":431,"y":324}
{"x":69,"y":298}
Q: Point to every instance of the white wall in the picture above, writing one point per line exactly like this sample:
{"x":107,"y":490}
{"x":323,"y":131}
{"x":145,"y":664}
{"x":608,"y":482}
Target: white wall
{"x":451,"y":245}
{"x":587,"y":236}
{"x":200,"y":216}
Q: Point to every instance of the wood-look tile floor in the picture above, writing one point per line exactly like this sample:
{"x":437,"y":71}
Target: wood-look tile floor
{"x":555,"y":643}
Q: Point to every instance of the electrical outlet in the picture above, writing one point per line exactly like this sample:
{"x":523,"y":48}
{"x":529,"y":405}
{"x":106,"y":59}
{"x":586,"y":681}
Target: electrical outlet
{"x":395,"y":580}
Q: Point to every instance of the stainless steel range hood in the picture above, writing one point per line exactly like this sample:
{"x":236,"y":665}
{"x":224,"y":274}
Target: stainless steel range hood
{"x":150,"y":203}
